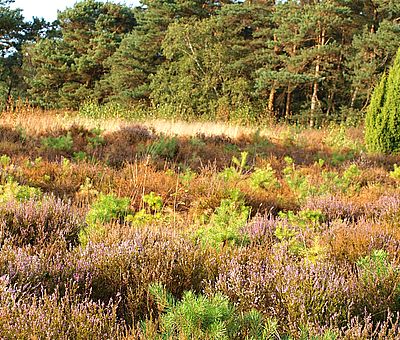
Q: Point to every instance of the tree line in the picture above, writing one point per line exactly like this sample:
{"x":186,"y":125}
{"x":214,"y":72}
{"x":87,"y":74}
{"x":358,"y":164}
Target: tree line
{"x":303,"y":60}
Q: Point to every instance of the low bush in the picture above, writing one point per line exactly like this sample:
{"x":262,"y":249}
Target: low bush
{"x":56,"y":316}
{"x":201,"y":317}
{"x":39,"y":222}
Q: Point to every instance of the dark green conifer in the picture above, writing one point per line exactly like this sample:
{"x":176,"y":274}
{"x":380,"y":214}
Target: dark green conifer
{"x":382,"y":122}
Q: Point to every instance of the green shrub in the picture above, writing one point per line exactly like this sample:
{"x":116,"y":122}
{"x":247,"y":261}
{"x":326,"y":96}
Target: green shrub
{"x":240,"y":163}
{"x":97,"y":138}
{"x":202,"y":317}
{"x":151,"y":212}
{"x":226,"y":222}
{"x":264,"y":178}
{"x":105,"y":209}
{"x":79,"y":156}
{"x":382,"y":122}
{"x":235,"y":171}
{"x":297,"y":181}
{"x":5,"y":161}
{"x":62,"y":143}
{"x":304,"y":218}
{"x":396,"y":172}
{"x":338,"y":140}
{"x":164,"y":147}
{"x":333,"y":182}
{"x":11,"y":190}
{"x":374,"y":266}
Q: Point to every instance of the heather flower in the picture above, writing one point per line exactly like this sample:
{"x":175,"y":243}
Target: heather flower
{"x":39,"y":222}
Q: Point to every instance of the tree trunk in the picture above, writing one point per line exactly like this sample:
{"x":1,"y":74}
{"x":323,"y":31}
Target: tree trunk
{"x":271,"y":100}
{"x":288,"y":102}
{"x":354,"y":97}
{"x":314,"y":97}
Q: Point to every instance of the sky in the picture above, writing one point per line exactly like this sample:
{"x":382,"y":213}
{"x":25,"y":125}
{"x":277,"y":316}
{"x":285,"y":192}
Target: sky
{"x":48,"y":8}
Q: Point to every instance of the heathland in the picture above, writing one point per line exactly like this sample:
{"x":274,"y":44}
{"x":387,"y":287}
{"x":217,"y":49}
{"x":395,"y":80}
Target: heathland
{"x":201,"y":170}
{"x":115,"y":229}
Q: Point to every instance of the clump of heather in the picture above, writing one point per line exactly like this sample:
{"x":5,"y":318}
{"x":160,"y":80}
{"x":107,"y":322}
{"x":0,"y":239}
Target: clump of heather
{"x":348,"y":241}
{"x":387,"y":208}
{"x":55,"y":316}
{"x":39,"y":222}
{"x":126,"y":268}
{"x":282,"y":287}
{"x":261,"y":229}
{"x":363,"y":327}
{"x":334,"y":207}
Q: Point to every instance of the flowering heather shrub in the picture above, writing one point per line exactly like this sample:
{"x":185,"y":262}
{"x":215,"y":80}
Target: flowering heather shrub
{"x":299,"y":292}
{"x":55,"y":316}
{"x":39,"y":222}
{"x":379,"y":283}
{"x":334,"y":207}
{"x":128,"y":267}
{"x":296,"y":233}
{"x":385,"y":208}
{"x":35,"y":269}
{"x":322,"y":263}
{"x":261,"y":229}
{"x":364,"y":328}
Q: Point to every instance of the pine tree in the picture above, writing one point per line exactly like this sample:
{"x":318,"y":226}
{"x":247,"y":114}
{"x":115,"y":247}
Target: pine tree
{"x":382,"y":121}
{"x":70,"y":69}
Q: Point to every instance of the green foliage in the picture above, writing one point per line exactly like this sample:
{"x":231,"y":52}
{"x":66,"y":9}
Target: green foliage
{"x":108,"y":208}
{"x":333,"y":182}
{"x":202,"y":317}
{"x":97,"y":138}
{"x":11,"y":190}
{"x":376,"y":266}
{"x":187,"y":177}
{"x":164,"y":147}
{"x":338,"y":140}
{"x":396,"y":172}
{"x":194,"y":80}
{"x":153,"y":201}
{"x":240,"y":164}
{"x":289,"y":233}
{"x":264,"y":178}
{"x":304,"y":218}
{"x":382,"y":123}
{"x":105,"y":209}
{"x":79,"y":156}
{"x":235,"y":172}
{"x":62,"y":143}
{"x":151,"y":212}
{"x":226,"y":222}
{"x":70,"y":70}
{"x":5,"y":161}
{"x":297,"y":181}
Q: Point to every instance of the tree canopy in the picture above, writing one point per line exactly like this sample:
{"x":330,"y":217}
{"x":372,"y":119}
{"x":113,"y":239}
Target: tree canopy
{"x":305,"y":61}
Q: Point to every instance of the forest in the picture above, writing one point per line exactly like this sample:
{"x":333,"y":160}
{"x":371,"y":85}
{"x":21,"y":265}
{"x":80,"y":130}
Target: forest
{"x":305,"y":62}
